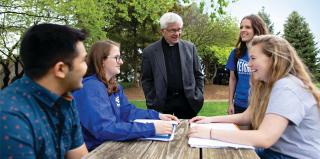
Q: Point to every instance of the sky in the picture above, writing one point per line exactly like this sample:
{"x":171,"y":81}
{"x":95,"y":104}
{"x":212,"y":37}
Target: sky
{"x":279,"y":11}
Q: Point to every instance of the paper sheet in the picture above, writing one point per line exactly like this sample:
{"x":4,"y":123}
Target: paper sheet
{"x":207,"y":143}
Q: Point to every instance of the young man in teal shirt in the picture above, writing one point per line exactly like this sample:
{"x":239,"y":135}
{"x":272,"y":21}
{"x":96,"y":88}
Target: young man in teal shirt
{"x":38,"y":116}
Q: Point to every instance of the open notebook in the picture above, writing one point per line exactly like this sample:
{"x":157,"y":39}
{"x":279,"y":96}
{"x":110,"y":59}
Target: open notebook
{"x":159,"y":137}
{"x":207,"y":143}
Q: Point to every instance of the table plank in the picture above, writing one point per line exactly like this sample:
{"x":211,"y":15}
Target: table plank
{"x":178,"y":148}
{"x":228,"y":153}
{"x":128,"y":149}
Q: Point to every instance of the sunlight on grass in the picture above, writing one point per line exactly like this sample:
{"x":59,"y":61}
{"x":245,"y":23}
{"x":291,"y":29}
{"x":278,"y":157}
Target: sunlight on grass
{"x":208,"y":109}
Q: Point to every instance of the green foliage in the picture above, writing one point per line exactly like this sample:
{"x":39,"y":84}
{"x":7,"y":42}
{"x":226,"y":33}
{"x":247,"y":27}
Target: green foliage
{"x":18,"y":15}
{"x":266,"y":18}
{"x":90,"y":15}
{"x":217,"y":7}
{"x":209,"y":108}
{"x":222,"y":53}
{"x":205,"y":32}
{"x":135,"y":26}
{"x":133,"y":23}
{"x":297,"y":32}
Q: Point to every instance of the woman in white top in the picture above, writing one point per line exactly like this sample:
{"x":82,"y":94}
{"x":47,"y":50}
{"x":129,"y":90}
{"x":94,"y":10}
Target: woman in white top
{"x":284,"y":109}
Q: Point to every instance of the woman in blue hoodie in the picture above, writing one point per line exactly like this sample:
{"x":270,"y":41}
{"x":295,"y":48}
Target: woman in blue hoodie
{"x":104,"y":110}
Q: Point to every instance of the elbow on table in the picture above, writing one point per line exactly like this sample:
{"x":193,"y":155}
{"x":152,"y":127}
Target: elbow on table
{"x":266,"y":142}
{"x":265,"y":145}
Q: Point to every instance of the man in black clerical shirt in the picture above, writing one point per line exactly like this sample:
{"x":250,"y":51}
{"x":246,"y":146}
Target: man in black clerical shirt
{"x":172,"y":78}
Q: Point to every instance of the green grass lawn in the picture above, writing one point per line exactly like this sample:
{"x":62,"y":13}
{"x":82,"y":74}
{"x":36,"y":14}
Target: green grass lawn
{"x":126,"y":84}
{"x":208,"y":109}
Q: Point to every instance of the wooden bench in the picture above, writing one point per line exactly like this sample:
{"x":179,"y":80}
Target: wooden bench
{"x":178,"y":148}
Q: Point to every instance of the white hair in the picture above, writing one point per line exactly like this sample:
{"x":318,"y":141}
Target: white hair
{"x":170,"y":18}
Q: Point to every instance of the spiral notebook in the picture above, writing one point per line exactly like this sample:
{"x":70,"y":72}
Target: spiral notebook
{"x":159,"y":137}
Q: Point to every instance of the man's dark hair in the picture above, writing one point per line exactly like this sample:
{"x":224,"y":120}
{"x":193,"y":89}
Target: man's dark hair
{"x":44,"y":45}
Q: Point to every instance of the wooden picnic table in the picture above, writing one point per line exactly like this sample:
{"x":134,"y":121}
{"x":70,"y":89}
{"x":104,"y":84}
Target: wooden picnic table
{"x":178,"y":148}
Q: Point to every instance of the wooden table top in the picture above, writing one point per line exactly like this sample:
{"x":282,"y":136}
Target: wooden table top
{"x":178,"y":148}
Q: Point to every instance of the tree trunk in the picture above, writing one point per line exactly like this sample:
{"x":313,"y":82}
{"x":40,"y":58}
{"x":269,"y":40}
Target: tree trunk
{"x":6,"y":72}
{"x":214,"y":74}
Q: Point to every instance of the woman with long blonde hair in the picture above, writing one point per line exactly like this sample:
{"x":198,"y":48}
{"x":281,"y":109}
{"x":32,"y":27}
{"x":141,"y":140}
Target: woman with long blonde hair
{"x":284,"y":109}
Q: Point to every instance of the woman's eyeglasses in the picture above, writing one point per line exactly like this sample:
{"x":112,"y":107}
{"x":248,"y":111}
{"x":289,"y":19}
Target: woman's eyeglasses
{"x":118,"y":57}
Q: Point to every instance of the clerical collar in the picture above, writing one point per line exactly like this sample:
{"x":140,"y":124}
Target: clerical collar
{"x":164,"y":41}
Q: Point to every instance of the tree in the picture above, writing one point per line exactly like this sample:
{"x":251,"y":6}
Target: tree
{"x":297,"y":32}
{"x":205,"y":33}
{"x":135,"y":25}
{"x":215,"y":7}
{"x":18,"y":15}
{"x":266,"y":18}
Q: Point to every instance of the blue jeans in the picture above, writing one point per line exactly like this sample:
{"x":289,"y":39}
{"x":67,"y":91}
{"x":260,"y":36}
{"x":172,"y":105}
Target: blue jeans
{"x":269,"y":154}
{"x":238,"y":109}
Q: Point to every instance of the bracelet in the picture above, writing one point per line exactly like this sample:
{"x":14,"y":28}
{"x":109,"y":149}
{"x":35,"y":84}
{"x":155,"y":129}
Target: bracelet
{"x":211,"y":134}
